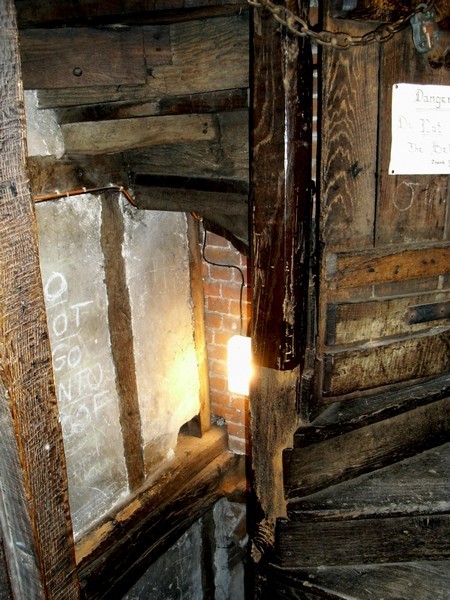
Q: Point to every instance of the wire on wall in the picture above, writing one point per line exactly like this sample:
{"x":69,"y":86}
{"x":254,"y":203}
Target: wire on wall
{"x":62,"y":195}
{"x":241,"y":291}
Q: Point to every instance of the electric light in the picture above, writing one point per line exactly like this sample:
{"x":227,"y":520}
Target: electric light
{"x":239,"y":364}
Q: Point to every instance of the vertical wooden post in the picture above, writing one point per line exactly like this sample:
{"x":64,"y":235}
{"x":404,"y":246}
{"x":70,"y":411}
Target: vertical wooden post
{"x":35,"y":517}
{"x":202,"y":423}
{"x":281,"y":203}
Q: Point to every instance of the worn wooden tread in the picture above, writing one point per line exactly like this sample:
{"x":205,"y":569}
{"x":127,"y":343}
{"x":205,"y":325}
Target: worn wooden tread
{"x":308,"y":470}
{"x":421,"y":580}
{"x":347,"y":415}
{"x":362,"y":541}
{"x":416,"y":485}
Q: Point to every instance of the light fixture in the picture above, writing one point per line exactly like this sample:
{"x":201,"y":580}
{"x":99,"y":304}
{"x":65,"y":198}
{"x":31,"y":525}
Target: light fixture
{"x":239,"y":364}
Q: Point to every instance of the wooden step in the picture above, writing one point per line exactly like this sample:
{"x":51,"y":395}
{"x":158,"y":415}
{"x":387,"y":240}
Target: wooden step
{"x":320,"y":465}
{"x":422,"y":580}
{"x":362,"y":541}
{"x":418,"y":485}
{"x":347,"y":415}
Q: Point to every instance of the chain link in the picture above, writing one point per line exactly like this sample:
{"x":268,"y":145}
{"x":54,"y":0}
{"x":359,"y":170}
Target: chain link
{"x":337,"y":39}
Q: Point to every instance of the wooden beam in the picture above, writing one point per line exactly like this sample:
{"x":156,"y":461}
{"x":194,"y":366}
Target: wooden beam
{"x":280,"y":184}
{"x":121,"y":334}
{"x":34,"y":496}
{"x":281,"y":180}
{"x":362,"y":541}
{"x":198,"y":301}
{"x":32,"y":13}
{"x":83,"y":57}
{"x":100,"y":137}
{"x":112,"y":556}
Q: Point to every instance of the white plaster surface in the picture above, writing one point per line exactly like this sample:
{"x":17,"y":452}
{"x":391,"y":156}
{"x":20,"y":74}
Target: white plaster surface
{"x":157,"y":271}
{"x":44,"y":135}
{"x":73,"y":275}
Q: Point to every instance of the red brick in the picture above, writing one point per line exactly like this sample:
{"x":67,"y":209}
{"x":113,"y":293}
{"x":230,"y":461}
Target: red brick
{"x":218,"y":383}
{"x":221,"y":338}
{"x":230,"y":415}
{"x":213,"y":320}
{"x":221,"y":398}
{"x":216,"y":240}
{"x":220,"y":273}
{"x":217,"y":352}
{"x":218,"y":305}
{"x":212,"y":289}
{"x":240,"y":403}
{"x":223,"y":256}
{"x":230,"y":291}
{"x":236,"y":430}
{"x":218,"y":367}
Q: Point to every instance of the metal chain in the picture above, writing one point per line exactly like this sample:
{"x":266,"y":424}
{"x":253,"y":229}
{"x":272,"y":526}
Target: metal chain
{"x":337,"y":39}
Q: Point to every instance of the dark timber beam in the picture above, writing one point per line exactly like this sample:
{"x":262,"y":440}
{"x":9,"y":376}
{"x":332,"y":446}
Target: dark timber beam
{"x":35,"y":13}
{"x":34,"y":516}
{"x":280,"y":184}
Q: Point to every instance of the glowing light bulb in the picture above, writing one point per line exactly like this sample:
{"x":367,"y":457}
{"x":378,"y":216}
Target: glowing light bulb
{"x":239,"y":364}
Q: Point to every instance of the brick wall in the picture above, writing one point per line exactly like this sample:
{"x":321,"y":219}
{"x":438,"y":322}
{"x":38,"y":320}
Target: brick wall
{"x":222,"y":320}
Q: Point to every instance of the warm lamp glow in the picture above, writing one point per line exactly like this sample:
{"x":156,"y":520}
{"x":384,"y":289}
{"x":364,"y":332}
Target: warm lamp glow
{"x":239,"y":364}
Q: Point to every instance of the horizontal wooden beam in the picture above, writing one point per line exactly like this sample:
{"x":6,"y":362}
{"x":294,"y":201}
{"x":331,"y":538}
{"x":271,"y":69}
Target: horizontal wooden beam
{"x":209,"y":102}
{"x":308,"y":470}
{"x":113,"y":556}
{"x":33,"y":13}
{"x":362,"y":541}
{"x":100,"y":137}
{"x":351,"y":270}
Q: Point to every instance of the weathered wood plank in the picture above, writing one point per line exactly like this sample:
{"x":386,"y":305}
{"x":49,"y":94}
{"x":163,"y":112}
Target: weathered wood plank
{"x":27,"y":392}
{"x":82,"y":57}
{"x":114,"y":555}
{"x":207,"y":55}
{"x":33,"y":13}
{"x":362,"y":541}
{"x":411,"y":207}
{"x":363,"y":321}
{"x":383,"y":10}
{"x":280,"y":174}
{"x":308,"y":470}
{"x":414,"y":486}
{"x":198,"y":300}
{"x":347,"y":415}
{"x":121,"y":335}
{"x":5,"y":588}
{"x":219,"y":101}
{"x":384,"y":363}
{"x":408,"y":580}
{"x":100,"y":137}
{"x":348,"y":270}
{"x":225,"y":157}
{"x":348,"y":143}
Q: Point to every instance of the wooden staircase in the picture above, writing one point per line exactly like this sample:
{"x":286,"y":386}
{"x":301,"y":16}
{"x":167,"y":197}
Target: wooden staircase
{"x":368,"y":491}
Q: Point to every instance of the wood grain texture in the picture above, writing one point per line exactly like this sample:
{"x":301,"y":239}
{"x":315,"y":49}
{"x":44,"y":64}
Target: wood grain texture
{"x":362,"y":541}
{"x":26,"y":378}
{"x":100,"y":137}
{"x":414,"y":486}
{"x":113,"y":556}
{"x":207,"y":55}
{"x":308,"y":470}
{"x":410,"y":207}
{"x":281,"y":194}
{"x":348,"y":143}
{"x":5,"y":588}
{"x":388,"y":265}
{"x":401,"y":581}
{"x":363,"y":321}
{"x":198,"y":301}
{"x":346,"y":415}
{"x":387,"y":362}
{"x":83,"y":57}
{"x":122,"y":339}
{"x":33,"y":13}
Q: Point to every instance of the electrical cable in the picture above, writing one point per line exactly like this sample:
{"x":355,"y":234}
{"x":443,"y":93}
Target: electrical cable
{"x":210,"y":262}
{"x":109,"y":188}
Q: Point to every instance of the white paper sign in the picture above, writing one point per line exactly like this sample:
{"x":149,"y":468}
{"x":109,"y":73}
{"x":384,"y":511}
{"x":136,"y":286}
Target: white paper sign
{"x":420,"y":129}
